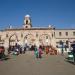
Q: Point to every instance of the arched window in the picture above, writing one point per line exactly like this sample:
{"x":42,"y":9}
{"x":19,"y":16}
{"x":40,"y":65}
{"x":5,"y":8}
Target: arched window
{"x":26,"y":21}
{"x":66,"y":33}
{"x":74,"y":33}
{"x":60,"y":33}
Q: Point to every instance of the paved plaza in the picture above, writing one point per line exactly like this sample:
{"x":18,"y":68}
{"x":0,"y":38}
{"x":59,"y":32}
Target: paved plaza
{"x":27,"y":64}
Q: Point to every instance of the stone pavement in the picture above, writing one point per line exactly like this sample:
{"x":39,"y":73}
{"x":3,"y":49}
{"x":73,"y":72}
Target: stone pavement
{"x":27,"y":64}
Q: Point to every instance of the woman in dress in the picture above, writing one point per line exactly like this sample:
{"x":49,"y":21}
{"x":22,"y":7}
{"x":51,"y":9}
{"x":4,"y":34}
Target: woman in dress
{"x":36,"y":52}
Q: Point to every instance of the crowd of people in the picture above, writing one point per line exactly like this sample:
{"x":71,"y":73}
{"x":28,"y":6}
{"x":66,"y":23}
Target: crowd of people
{"x":18,"y":49}
{"x":38,"y":50}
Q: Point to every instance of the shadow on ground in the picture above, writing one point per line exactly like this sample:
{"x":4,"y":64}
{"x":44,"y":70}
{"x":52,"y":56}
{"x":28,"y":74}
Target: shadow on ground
{"x":70,"y":61}
{"x":5,"y":58}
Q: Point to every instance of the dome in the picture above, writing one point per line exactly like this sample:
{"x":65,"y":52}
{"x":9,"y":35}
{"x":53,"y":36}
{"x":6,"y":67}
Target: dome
{"x":50,"y":26}
{"x":27,"y":16}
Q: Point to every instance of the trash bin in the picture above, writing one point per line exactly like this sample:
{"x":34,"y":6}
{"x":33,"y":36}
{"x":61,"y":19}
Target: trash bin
{"x":70,"y":56}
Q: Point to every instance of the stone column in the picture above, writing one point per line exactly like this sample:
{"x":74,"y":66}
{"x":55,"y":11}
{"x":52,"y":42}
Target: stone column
{"x":53,"y":39}
{"x":6,"y":45}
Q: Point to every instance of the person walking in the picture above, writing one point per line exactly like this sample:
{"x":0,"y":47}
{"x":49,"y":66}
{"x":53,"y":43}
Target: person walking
{"x":36,"y":51}
{"x":47,"y":49}
{"x":40,"y":52}
{"x":2,"y":50}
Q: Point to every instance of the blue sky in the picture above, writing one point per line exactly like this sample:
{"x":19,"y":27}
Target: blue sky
{"x":60,"y":13}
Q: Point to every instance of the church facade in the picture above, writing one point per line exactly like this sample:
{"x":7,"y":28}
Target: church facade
{"x":36,"y":35}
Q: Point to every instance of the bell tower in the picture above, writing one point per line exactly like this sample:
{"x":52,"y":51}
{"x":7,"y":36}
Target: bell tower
{"x":27,"y":22}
